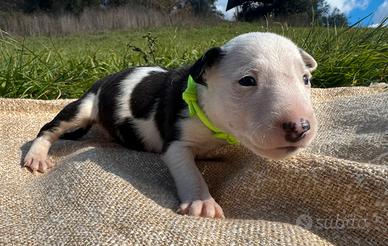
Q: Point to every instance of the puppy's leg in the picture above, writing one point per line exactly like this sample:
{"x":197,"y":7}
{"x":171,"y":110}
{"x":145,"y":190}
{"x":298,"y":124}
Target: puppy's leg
{"x":192,"y":189}
{"x":78,"y":115}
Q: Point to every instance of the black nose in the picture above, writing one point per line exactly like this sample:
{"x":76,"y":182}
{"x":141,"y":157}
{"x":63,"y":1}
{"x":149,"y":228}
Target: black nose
{"x":296,"y":131}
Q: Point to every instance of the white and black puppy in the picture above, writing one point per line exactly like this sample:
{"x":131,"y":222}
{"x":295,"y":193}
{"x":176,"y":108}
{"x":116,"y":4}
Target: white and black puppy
{"x":255,"y":88}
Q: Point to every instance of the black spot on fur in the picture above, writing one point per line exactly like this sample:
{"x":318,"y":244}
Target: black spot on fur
{"x":171,"y":105}
{"x":146,"y":93}
{"x":210,"y":58}
{"x":127,"y":135}
{"x":109,"y":94}
{"x":163,"y":89}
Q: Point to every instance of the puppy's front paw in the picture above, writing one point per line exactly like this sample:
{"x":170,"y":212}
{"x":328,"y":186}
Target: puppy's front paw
{"x":37,"y":162}
{"x":204,"y":208}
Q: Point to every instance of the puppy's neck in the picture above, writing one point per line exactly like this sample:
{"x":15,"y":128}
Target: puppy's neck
{"x":191,"y":96}
{"x":206,"y":103}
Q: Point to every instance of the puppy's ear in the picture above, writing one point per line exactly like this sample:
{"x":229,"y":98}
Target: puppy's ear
{"x":311,"y":64}
{"x":210,"y":58}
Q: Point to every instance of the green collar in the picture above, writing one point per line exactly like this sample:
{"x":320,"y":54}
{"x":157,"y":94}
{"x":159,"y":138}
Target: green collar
{"x":190,"y":97}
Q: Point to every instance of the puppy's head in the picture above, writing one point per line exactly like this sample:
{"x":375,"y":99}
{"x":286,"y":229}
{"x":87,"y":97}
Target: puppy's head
{"x":257,"y":87}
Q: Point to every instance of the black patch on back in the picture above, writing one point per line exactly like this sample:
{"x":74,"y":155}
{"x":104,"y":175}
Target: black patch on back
{"x":146,"y":93}
{"x":128,"y":136}
{"x":107,"y":111}
{"x":163,"y":89}
{"x":171,"y":105}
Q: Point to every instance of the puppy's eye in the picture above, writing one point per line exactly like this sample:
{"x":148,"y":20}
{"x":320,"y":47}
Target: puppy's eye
{"x":306,"y":80}
{"x":247,"y":81}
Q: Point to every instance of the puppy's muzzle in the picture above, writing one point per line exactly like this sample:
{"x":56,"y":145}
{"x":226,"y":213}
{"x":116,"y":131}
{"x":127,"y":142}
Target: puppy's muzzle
{"x":296,"y":131}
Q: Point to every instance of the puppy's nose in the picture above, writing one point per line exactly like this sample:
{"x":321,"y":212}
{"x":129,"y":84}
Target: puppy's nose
{"x":296,"y":130}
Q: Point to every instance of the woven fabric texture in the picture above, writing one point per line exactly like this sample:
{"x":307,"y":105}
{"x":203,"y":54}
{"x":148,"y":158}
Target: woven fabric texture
{"x":333,"y":193}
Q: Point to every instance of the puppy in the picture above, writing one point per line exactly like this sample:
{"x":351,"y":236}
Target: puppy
{"x":255,"y":90}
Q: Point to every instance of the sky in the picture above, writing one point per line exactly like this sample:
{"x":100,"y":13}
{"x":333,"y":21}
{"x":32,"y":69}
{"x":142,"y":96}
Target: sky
{"x":354,"y":10}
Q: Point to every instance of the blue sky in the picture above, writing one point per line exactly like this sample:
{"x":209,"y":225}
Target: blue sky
{"x":354,"y":9}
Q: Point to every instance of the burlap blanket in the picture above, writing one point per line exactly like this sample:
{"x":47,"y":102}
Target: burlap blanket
{"x":335,"y":192}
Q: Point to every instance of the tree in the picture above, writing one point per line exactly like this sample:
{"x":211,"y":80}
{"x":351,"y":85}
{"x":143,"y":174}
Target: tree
{"x":252,"y":10}
{"x":198,"y":7}
{"x":312,"y":10}
{"x":286,"y":7}
{"x":335,"y":18}
{"x":33,"y":5}
{"x":74,"y":6}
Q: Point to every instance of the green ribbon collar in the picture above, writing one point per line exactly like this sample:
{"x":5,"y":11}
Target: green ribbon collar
{"x":190,"y":97}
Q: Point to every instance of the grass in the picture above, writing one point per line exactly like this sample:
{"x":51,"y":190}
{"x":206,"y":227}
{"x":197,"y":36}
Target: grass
{"x":64,"y":67}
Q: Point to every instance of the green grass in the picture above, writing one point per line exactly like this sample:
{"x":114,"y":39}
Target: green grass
{"x":64,"y":67}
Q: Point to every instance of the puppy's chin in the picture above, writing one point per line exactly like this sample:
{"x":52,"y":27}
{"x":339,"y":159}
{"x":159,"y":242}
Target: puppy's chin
{"x":277,"y":153}
{"x":273,"y":153}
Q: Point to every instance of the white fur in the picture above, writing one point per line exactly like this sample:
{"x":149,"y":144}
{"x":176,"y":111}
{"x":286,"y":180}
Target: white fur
{"x":149,"y":133}
{"x":198,"y":137}
{"x":37,"y":156}
{"x":40,"y":147}
{"x":192,"y":189}
{"x":88,"y":108}
{"x":127,"y":86}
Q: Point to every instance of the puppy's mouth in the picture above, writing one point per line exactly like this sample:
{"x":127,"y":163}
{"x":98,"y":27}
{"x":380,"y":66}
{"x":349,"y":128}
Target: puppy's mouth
{"x":288,"y":149}
{"x":273,"y":152}
{"x":277,"y":153}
